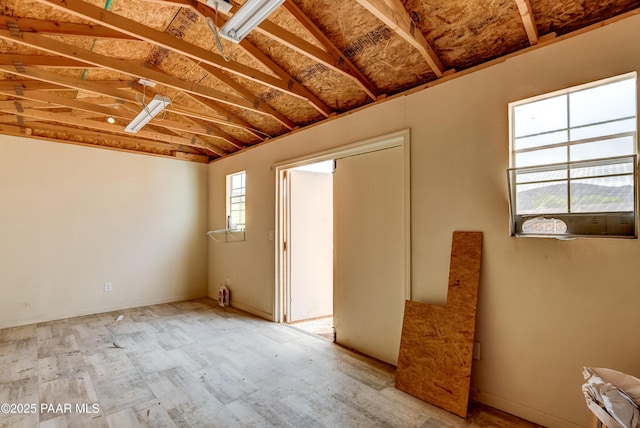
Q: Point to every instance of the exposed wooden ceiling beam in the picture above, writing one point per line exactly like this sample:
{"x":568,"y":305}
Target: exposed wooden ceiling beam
{"x":69,"y":118}
{"x":332,"y":58}
{"x":126,"y":144}
{"x":32,"y":25}
{"x":18,"y":131}
{"x":236,"y":86}
{"x":340,"y":61}
{"x":26,"y":104}
{"x":222,"y":111}
{"x":58,"y":28}
{"x":50,"y":81}
{"x":201,"y":128}
{"x":395,"y":16}
{"x":168,"y":41}
{"x":217,"y":133}
{"x":42,"y":61}
{"x":130,"y":68}
{"x":524,"y":7}
{"x":47,"y":78}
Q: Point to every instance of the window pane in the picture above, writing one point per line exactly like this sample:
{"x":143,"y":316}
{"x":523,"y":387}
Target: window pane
{"x":604,"y":169}
{"x":603,"y":149}
{"x":541,"y":157}
{"x":608,"y":194}
{"x":541,"y":198}
{"x":593,"y":131}
{"x":541,"y":116}
{"x":612,"y":101}
{"x":236,"y":181}
{"x":538,"y":175}
{"x":541,"y":140}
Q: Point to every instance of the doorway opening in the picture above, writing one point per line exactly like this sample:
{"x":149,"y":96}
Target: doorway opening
{"x":308,"y":247}
{"x":371,"y":263}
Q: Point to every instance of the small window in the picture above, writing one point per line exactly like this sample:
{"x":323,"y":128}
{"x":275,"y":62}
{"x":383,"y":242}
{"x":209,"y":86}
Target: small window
{"x":236,"y":199}
{"x":573,"y":161}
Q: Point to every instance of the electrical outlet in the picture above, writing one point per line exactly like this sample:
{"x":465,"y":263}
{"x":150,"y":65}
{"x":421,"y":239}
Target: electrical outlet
{"x":107,"y":286}
{"x":476,"y":351}
{"x":228,"y":282}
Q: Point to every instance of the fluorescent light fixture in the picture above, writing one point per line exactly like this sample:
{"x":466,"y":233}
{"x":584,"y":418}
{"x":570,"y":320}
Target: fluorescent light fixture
{"x":151,"y":110}
{"x":250,"y":15}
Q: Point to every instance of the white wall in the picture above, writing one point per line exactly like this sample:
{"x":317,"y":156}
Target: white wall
{"x":73,"y":217}
{"x":546,"y":307}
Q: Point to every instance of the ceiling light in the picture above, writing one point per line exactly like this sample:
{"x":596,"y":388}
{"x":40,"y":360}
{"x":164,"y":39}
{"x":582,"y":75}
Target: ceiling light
{"x":111,"y":119}
{"x":149,"y":111}
{"x":250,"y":15}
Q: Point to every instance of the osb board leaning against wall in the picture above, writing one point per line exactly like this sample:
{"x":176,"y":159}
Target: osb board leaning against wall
{"x":436,"y":346}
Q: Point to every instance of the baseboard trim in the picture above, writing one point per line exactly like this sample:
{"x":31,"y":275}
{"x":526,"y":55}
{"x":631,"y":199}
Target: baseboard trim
{"x":253,"y":311}
{"x":94,"y":310}
{"x":522,"y":411}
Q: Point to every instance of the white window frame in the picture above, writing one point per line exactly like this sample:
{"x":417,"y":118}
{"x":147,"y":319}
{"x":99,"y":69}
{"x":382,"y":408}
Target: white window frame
{"x":236,"y":197}
{"x":597,"y":223}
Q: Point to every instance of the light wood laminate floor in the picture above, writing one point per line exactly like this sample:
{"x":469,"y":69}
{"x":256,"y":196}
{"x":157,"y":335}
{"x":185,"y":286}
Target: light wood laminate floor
{"x":193,"y":364}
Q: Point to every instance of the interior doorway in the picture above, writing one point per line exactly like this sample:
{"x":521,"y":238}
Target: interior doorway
{"x":371,"y":271}
{"x":308,"y":247}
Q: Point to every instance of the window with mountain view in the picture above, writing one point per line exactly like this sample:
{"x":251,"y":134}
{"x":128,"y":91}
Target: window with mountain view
{"x":573,"y":161}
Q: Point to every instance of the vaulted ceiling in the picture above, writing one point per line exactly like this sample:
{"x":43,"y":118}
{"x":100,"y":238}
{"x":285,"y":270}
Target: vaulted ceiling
{"x":67,"y":66}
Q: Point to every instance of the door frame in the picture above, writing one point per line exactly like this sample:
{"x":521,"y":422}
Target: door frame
{"x":401,"y":139}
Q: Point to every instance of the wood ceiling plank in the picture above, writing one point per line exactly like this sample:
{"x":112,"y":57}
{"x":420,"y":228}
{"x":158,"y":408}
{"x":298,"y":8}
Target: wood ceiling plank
{"x":130,"y":68}
{"x":395,"y":16}
{"x":524,"y":7}
{"x":168,"y":41}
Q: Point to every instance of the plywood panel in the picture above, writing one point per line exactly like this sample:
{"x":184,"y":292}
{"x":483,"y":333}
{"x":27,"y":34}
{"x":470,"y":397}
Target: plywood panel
{"x":437,"y":341}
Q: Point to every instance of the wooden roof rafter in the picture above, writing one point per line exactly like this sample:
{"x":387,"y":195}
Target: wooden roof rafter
{"x":132,"y":144}
{"x":77,"y":120}
{"x":131,"y":68}
{"x":332,"y":57}
{"x":524,"y":7}
{"x":119,"y":23}
{"x":393,"y":14}
{"x":58,"y":28}
{"x":120,"y":97}
{"x":341,"y":62}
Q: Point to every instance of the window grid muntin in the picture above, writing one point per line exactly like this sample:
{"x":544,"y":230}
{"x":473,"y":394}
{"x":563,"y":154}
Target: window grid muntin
{"x":566,"y":94}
